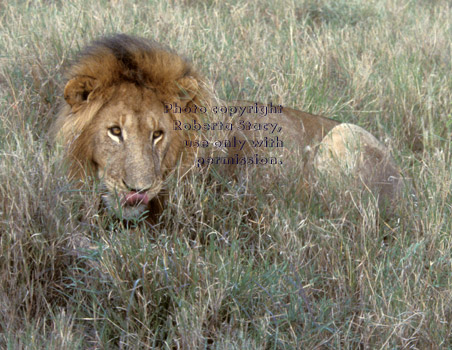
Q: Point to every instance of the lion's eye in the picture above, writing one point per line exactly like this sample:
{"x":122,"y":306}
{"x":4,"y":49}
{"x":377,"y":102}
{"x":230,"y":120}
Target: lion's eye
{"x":157,"y":134}
{"x":115,"y":131}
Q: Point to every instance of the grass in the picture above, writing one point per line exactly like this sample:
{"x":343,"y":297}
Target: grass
{"x":234,"y":265}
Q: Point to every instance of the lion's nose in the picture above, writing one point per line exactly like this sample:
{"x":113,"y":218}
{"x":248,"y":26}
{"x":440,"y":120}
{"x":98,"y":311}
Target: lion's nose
{"x":135,"y":188}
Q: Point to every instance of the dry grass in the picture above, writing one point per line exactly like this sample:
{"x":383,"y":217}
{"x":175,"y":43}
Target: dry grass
{"x":231,"y":265}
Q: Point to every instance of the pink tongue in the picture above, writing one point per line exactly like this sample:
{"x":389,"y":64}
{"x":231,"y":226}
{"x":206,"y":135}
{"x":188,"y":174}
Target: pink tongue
{"x":134,"y":198}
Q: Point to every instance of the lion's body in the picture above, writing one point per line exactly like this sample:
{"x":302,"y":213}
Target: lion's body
{"x":116,"y":124}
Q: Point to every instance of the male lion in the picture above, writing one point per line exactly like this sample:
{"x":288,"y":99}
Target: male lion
{"x":132,"y":109}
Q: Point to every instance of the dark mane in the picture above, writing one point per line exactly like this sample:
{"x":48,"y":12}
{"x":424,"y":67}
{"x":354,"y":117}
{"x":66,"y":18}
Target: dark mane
{"x":97,"y":75}
{"x":123,"y":58}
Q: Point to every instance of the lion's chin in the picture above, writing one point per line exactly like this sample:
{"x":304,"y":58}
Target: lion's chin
{"x":126,"y":210}
{"x":134,"y":212}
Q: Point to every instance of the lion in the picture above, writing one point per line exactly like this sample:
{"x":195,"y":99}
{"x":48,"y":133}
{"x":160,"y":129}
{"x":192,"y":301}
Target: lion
{"x":133,"y":109}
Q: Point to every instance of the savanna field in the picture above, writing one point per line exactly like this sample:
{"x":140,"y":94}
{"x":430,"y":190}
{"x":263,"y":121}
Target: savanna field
{"x":234,"y":265}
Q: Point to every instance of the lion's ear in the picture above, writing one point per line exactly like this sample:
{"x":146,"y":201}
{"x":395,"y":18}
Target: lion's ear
{"x":188,"y":88}
{"x":79,"y":89}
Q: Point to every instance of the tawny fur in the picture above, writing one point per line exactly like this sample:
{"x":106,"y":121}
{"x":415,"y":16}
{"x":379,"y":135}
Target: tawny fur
{"x":126,"y":81}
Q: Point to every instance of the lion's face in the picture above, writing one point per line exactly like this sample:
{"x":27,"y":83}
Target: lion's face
{"x":131,"y":137}
{"x":113,"y":122}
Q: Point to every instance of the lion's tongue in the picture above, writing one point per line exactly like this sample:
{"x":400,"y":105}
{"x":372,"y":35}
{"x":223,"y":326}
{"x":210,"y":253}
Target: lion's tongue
{"x":134,"y":198}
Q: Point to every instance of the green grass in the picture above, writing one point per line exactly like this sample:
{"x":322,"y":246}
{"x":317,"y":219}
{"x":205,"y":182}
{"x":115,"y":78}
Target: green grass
{"x":234,"y":265}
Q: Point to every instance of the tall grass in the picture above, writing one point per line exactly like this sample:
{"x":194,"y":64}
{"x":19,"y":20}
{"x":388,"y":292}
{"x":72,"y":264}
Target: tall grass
{"x":234,"y":265}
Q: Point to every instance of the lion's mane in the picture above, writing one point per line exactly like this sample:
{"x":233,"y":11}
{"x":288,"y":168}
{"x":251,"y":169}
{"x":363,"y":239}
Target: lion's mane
{"x":108,"y":63}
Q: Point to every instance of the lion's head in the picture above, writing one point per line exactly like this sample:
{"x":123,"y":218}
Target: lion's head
{"x":114,"y":123}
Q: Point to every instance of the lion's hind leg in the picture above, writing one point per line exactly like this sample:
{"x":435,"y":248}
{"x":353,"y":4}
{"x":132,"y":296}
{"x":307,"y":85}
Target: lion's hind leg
{"x":352,"y":157}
